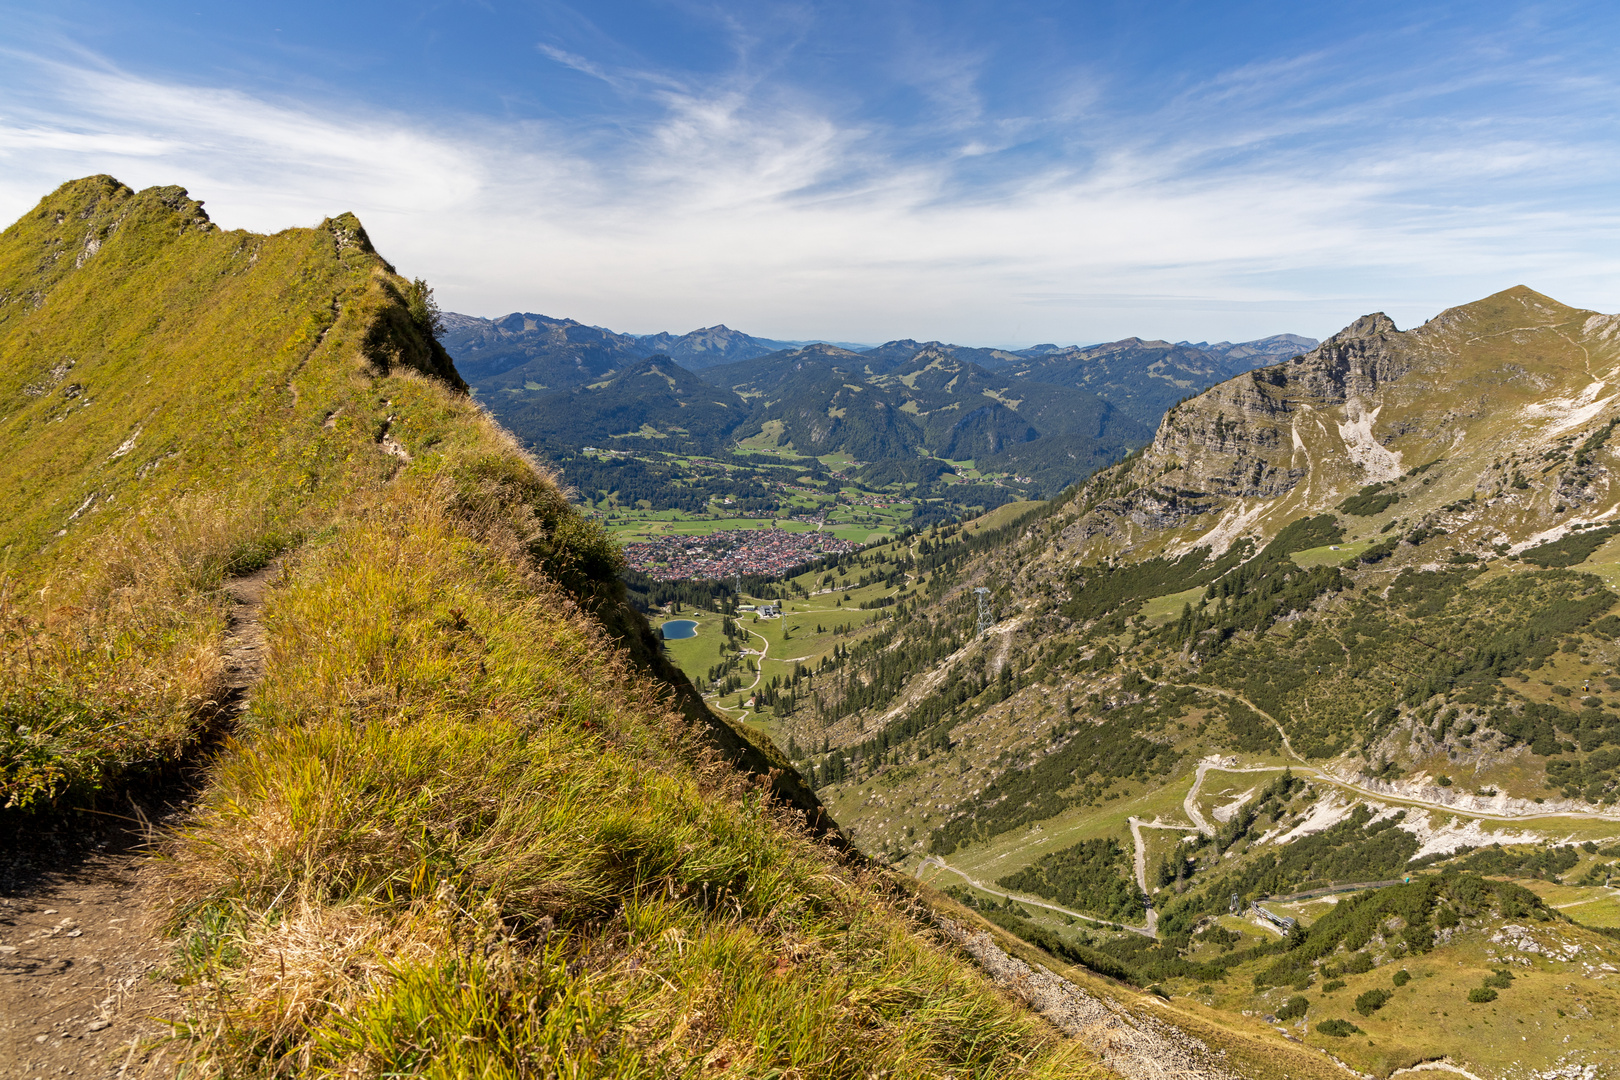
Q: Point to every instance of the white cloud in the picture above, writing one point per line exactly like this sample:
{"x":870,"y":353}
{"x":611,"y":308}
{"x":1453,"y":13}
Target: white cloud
{"x":760,"y":209}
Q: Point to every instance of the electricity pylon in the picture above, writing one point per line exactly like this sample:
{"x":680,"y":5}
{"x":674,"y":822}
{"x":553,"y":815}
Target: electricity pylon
{"x":986,"y":620}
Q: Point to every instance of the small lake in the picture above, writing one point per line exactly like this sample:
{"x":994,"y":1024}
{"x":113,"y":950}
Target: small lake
{"x":676,"y":629}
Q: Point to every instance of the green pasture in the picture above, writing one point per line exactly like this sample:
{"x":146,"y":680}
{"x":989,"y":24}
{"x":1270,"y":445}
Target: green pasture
{"x":1332,"y":554}
{"x":695,"y":655}
{"x":1014,"y":850}
{"x":1163,"y":609}
{"x":638,"y":526}
{"x":999,"y":516}
{"x":1590,"y":905}
{"x":1605,"y":563}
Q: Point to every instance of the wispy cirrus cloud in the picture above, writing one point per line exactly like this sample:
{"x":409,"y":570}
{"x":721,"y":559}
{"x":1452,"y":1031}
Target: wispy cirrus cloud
{"x":1259,"y":199}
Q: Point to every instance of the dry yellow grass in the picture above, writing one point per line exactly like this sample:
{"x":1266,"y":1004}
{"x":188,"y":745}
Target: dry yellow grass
{"x":464,"y":827}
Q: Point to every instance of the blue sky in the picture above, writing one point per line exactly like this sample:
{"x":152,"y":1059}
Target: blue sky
{"x":987,"y":173}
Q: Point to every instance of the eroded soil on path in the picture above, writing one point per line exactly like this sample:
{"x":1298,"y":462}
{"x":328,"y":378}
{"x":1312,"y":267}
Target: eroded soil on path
{"x":82,"y":990}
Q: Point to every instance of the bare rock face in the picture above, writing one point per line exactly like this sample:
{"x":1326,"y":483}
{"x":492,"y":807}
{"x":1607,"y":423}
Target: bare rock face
{"x":1477,"y":417}
{"x":1236,"y":441}
{"x":1355,"y":362}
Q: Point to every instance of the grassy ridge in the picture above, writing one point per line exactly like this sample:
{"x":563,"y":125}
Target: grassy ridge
{"x":471,"y":822}
{"x":497,"y":780}
{"x":176,"y":403}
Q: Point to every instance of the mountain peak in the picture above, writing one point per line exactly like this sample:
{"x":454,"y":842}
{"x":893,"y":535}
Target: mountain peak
{"x":709,"y":346}
{"x":1515,"y":307}
{"x":1367,"y":326}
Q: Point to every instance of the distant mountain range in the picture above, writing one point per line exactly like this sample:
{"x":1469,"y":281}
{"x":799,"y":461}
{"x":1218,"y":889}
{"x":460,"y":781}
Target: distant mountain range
{"x":525,"y":348}
{"x":1144,"y":378}
{"x":901,"y":403}
{"x":710,"y":346}
{"x":1051,"y":413}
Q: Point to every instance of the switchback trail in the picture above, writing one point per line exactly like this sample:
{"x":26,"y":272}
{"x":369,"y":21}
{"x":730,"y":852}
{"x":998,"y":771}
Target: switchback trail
{"x":1366,"y":792}
{"x":1137,"y":825}
{"x":79,"y":947}
{"x":1190,"y":803}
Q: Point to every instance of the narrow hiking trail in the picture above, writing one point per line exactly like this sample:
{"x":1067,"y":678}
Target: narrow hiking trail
{"x":80,"y":950}
{"x":1140,"y":861}
{"x":1133,"y":1043}
{"x":1326,"y":776}
{"x":936,"y":861}
{"x":1258,"y":711}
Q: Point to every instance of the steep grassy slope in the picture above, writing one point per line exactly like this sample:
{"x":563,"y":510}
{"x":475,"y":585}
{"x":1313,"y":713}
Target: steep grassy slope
{"x":162,"y":426}
{"x":466,"y":825}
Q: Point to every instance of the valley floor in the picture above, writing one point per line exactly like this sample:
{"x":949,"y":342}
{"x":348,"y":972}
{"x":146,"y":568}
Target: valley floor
{"x":1556,"y":1011}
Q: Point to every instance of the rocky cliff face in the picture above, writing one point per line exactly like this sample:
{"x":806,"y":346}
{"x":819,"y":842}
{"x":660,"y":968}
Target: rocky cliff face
{"x":1480,"y":409}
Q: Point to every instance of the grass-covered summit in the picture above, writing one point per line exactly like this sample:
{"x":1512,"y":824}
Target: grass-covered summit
{"x":470,"y":822}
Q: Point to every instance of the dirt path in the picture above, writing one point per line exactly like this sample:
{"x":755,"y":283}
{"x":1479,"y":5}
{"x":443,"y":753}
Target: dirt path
{"x":1220,"y":692}
{"x":1137,"y":825}
{"x":936,"y":861}
{"x":79,"y":951}
{"x":1371,"y":793}
{"x":1140,"y":861}
{"x":763,"y":654}
{"x":1190,"y":803}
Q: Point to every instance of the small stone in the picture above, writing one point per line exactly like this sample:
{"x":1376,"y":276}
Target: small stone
{"x":74,"y":933}
{"x":97,"y":1025}
{"x":49,"y":911}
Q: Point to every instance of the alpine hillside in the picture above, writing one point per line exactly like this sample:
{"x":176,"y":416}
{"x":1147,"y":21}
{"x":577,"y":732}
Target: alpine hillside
{"x":1034,"y":420}
{"x":1306,"y":714}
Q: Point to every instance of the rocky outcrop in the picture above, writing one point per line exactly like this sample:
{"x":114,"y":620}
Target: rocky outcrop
{"x":1493,"y":420}
{"x":1133,"y":1044}
{"x":1240,"y":440}
{"x":1355,"y":362}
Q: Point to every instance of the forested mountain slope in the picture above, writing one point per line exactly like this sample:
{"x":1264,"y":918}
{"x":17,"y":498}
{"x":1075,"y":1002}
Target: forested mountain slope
{"x":653,"y":401}
{"x":1348,"y":620}
{"x":885,"y":405}
{"x":1047,"y":414}
{"x":464,"y":819}
{"x":1144,"y":378}
{"x":525,"y":350}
